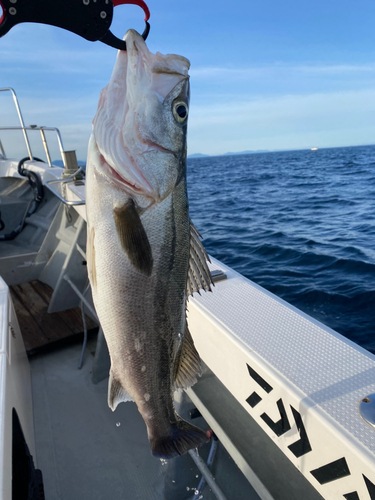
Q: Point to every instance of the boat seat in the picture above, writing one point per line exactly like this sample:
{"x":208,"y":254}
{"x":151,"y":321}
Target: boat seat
{"x":15,"y":196}
{"x":12,"y":210}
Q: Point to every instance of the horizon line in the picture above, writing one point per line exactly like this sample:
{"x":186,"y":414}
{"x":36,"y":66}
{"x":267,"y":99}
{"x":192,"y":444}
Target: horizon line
{"x":260,"y":151}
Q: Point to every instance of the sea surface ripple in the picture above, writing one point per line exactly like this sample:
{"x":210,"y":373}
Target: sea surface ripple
{"x":299,"y":223}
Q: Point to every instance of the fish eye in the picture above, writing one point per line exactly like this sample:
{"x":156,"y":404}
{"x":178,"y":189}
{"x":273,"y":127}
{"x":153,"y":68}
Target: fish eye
{"x":180,"y":111}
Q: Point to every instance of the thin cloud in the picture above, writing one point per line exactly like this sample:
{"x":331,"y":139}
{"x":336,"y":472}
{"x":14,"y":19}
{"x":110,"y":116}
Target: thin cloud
{"x":71,"y":116}
{"x":286,"y":106}
{"x":225,"y":73}
{"x":57,"y":61}
{"x":42,"y":51}
{"x":290,"y":121}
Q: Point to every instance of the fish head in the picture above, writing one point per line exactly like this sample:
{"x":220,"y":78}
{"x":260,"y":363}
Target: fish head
{"x":140,"y":127}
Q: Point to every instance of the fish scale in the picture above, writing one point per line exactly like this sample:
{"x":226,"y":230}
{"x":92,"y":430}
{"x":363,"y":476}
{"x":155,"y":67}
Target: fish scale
{"x":139,"y":240}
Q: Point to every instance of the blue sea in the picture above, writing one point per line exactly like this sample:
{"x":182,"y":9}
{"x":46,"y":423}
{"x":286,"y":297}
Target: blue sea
{"x":299,"y":223}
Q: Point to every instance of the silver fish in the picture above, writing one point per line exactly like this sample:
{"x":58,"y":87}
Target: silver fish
{"x":144,"y":254}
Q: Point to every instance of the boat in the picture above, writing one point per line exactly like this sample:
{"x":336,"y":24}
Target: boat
{"x":290,"y":401}
{"x":314,"y":149}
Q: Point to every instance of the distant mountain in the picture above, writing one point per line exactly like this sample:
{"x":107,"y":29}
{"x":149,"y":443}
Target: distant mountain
{"x":197,"y":155}
{"x":249,"y":152}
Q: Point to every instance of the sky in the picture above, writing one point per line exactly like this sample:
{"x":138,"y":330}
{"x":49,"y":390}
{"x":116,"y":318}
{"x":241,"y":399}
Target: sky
{"x":264,"y":74}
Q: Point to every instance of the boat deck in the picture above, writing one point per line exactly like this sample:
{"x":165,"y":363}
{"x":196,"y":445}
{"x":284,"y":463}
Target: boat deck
{"x":86,"y":451}
{"x":40,"y":329}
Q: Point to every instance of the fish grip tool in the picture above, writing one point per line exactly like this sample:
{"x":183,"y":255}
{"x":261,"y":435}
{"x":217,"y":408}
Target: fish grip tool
{"x":90,"y":19}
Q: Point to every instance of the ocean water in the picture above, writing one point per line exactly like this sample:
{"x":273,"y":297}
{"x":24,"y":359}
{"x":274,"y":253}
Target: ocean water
{"x":299,"y":223}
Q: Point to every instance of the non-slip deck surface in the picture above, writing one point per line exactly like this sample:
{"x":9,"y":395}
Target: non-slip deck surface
{"x":332,"y":372}
{"x":86,"y":451}
{"x":38,"y":327}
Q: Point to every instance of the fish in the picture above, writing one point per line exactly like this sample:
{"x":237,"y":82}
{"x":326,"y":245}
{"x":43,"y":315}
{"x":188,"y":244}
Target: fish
{"x":144,"y":254}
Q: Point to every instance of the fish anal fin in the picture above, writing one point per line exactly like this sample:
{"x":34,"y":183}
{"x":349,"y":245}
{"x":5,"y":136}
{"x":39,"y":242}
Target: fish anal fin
{"x":188,"y":363}
{"x":116,"y":392}
{"x":133,"y":237}
{"x":199,"y":276}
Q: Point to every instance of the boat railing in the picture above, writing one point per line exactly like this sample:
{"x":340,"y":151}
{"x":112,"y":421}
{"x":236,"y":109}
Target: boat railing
{"x":65,"y":180}
{"x":25,"y":130}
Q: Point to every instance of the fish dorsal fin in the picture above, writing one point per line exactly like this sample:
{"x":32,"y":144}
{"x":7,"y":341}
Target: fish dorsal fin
{"x":199,"y":276}
{"x":188,"y":363}
{"x":116,"y":393}
{"x":133,"y":237}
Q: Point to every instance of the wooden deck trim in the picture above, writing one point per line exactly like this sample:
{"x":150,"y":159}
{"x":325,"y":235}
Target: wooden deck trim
{"x":38,"y":327}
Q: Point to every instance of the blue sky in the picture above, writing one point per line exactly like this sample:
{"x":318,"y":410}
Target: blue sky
{"x":264,"y":74}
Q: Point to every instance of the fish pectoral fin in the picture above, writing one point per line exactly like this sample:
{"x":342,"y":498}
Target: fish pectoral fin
{"x":199,"y":276}
{"x":133,"y":237}
{"x":116,"y":393}
{"x":188,"y":364}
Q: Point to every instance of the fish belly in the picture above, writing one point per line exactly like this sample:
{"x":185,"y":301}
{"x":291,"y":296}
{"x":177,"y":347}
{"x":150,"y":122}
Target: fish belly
{"x":142,"y":316}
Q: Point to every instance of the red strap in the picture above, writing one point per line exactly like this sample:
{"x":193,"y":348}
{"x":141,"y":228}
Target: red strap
{"x":3,"y":14}
{"x":141,"y":4}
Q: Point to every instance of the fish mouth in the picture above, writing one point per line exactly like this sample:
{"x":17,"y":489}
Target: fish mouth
{"x":117,"y":178}
{"x":132,"y":182}
{"x":162,"y":72}
{"x":127,"y":134}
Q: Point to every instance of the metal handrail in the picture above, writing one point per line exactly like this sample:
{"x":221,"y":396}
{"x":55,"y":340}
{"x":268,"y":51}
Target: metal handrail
{"x":45,"y":145}
{"x":20,"y":118}
{"x":40,"y":129}
{"x":64,"y":200}
{"x":65,"y":181}
{"x":70,"y":178}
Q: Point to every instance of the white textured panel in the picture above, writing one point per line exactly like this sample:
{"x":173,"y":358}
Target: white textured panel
{"x":77,"y":193}
{"x":5,"y":456}
{"x":331,"y":371}
{"x":5,"y":469}
{"x":3,"y":315}
{"x":15,"y":388}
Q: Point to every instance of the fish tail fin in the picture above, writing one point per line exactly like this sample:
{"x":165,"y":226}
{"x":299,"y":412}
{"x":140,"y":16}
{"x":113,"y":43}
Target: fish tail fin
{"x":184,"y":437}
